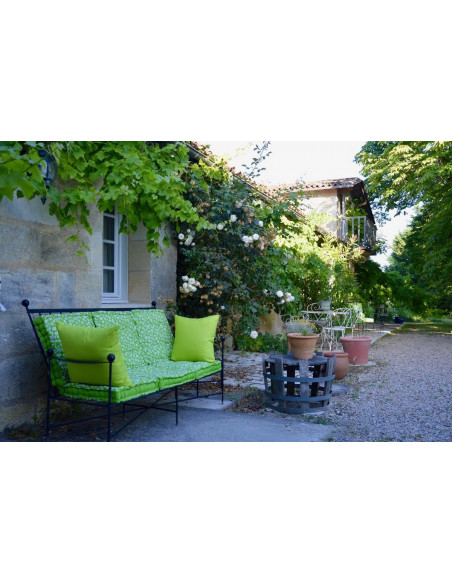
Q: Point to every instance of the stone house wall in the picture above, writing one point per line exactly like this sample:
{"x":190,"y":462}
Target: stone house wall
{"x":325,"y":201}
{"x":37,"y":263}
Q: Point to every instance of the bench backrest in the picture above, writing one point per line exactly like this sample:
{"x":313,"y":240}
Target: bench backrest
{"x":144,"y":334}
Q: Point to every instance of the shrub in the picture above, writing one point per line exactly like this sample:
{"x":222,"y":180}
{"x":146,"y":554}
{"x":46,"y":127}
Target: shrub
{"x":263,"y":343}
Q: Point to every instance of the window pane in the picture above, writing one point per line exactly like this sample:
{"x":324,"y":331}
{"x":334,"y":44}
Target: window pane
{"x":109,"y":228}
{"x":109,"y":282}
{"x":109,"y":254}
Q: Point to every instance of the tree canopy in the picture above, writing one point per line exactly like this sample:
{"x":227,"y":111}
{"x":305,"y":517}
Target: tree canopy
{"x":400,"y":175}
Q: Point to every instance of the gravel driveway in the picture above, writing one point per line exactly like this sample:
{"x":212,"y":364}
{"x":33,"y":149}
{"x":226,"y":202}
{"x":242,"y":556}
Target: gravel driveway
{"x":406,"y":397}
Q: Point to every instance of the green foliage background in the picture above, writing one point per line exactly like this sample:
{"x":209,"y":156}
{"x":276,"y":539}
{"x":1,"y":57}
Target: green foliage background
{"x":400,"y":175}
{"x":158,"y":185}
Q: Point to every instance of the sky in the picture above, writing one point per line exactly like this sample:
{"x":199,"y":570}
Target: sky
{"x":309,"y":161}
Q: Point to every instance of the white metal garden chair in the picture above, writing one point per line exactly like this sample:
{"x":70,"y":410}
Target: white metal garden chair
{"x":322,"y":319}
{"x":342,"y":319}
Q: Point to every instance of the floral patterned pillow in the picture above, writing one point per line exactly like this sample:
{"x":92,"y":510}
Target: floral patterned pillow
{"x":154,"y":333}
{"x":73,"y":318}
{"x":128,"y":337}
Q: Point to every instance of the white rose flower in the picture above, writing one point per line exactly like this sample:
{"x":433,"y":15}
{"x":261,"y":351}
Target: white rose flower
{"x":193,"y":244}
{"x":238,"y":204}
{"x":192,"y":288}
{"x":188,"y":240}
{"x":191,"y":281}
{"x":185,"y":278}
{"x":233,"y":218}
{"x":265,"y":291}
{"x":222,"y":307}
{"x":197,"y":283}
{"x":281,"y":302}
{"x":188,"y":231}
{"x":254,"y":334}
{"x":261,"y":223}
{"x":185,"y":286}
{"x":181,"y":236}
{"x":220,"y":226}
{"x":279,"y":294}
{"x":255,"y":237}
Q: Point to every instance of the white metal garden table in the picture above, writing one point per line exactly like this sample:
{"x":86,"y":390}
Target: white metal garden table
{"x":332,"y":323}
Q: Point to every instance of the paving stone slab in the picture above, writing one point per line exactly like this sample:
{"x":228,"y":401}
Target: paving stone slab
{"x":207,"y":403}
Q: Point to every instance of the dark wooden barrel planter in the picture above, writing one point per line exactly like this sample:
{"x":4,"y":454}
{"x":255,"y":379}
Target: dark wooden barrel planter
{"x":298,"y":386}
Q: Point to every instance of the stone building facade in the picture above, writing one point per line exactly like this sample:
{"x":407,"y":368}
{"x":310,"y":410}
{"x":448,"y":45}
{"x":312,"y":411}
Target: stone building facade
{"x":37,"y":263}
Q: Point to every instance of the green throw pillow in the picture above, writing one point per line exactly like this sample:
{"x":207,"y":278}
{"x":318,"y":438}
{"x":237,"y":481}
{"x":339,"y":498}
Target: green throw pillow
{"x":93,"y":344}
{"x":193,"y":340}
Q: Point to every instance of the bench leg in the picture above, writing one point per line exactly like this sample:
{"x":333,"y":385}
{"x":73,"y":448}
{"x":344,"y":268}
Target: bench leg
{"x":48,"y":408}
{"x":176,"y":391}
{"x":110,"y":359}
{"x":109,"y":422}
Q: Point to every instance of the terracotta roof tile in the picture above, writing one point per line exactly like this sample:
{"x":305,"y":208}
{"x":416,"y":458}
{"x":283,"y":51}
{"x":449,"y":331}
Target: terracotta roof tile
{"x":333,"y":183}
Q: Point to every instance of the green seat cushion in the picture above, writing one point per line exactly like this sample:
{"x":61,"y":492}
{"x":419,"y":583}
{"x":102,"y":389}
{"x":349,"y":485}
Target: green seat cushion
{"x":50,"y":339}
{"x":193,"y":339}
{"x":128,"y":337}
{"x":171,"y":373}
{"x":154,"y":333}
{"x":146,"y":379}
{"x":93,"y":344}
{"x":142,"y":380}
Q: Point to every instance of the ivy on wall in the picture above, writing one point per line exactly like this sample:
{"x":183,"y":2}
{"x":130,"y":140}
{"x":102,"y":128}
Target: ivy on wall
{"x":146,"y":182}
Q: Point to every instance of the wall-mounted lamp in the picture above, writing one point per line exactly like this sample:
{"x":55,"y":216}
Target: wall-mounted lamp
{"x":48,"y":169}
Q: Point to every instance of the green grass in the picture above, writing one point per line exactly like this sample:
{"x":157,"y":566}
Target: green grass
{"x":317,"y":420}
{"x":443,"y":327}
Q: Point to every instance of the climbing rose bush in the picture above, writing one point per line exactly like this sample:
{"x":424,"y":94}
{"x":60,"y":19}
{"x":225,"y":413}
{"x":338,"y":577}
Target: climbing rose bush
{"x":252,"y":256}
{"x":235,"y":261}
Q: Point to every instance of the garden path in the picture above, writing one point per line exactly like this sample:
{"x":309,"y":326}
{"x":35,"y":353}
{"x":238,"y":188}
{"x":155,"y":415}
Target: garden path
{"x":405,"y":397}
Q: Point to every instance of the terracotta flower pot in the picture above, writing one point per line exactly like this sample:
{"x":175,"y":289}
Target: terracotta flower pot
{"x":342,"y":364}
{"x":302,"y":347}
{"x":357,"y":349}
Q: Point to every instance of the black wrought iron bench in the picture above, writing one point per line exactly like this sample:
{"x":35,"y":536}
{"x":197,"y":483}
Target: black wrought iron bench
{"x":146,"y":339}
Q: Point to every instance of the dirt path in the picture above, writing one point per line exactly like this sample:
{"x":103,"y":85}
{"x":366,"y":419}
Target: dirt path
{"x":407,"y":396}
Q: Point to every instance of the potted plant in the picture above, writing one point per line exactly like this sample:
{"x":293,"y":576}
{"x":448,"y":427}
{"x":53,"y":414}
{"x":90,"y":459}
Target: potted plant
{"x":325,"y":304}
{"x":357,"y":349}
{"x":342,"y":363}
{"x":301,"y":339}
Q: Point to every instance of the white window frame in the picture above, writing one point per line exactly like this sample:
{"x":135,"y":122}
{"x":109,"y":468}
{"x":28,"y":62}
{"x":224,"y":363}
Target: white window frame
{"x":120,"y":260}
